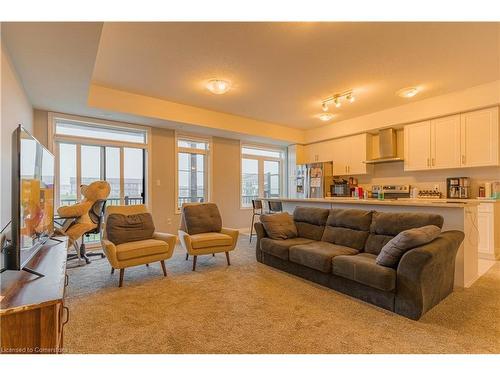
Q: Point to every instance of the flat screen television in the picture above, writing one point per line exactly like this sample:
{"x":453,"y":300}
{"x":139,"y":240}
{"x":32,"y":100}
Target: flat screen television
{"x":33,"y":168}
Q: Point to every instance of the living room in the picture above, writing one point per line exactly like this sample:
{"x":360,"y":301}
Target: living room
{"x":247,"y":187}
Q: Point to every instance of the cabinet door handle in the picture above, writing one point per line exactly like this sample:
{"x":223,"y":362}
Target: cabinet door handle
{"x":428,"y":162}
{"x":433,"y":162}
{"x":67,"y":315}
{"x":463,"y":159}
{"x":66,"y":280}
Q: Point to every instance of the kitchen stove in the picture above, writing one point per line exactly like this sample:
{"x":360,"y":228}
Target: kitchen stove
{"x":391,"y":191}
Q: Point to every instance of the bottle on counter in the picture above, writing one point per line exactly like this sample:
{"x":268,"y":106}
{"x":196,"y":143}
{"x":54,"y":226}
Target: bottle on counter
{"x":381,"y":195}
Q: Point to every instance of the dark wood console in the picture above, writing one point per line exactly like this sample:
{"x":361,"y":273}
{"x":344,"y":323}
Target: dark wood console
{"x":32,"y":311}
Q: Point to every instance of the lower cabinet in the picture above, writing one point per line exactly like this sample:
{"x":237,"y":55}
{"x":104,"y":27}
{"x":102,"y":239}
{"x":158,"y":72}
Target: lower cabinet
{"x":488,"y":222}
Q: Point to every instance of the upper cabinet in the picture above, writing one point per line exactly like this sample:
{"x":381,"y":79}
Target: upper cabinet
{"x":479,"y":138}
{"x":466,"y":140}
{"x":347,"y":154}
{"x":417,"y":146}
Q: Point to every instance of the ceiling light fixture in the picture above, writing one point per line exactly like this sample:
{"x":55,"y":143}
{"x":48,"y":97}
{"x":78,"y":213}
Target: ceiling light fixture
{"x":408,"y":92}
{"x":218,"y":86}
{"x":325,"y":116}
{"x":337,"y":100}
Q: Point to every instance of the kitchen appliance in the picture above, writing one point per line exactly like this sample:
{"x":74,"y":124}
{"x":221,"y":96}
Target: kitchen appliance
{"x":387,"y":147}
{"x":340,"y":188}
{"x":391,"y":191}
{"x":458,"y":187}
{"x":313,"y":180}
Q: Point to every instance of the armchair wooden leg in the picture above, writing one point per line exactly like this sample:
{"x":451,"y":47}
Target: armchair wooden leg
{"x":194,"y":262}
{"x":147,"y":264}
{"x":187,"y":256}
{"x":112,"y":270}
{"x":122,"y":272}
{"x":162,"y":262}
{"x":213,"y":254}
{"x":227,"y":257}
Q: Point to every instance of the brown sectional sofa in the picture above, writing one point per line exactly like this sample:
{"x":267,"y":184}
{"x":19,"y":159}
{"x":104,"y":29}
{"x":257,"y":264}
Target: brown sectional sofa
{"x":337,"y":248}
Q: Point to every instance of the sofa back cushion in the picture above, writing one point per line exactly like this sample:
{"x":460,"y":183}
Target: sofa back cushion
{"x":279,"y":226}
{"x":310,"y":221}
{"x":200,"y":218}
{"x":122,"y":228}
{"x":348,"y":227}
{"x":386,"y":225}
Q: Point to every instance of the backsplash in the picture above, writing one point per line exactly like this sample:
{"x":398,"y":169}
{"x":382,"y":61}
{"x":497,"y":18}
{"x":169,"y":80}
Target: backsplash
{"x":393,"y":173}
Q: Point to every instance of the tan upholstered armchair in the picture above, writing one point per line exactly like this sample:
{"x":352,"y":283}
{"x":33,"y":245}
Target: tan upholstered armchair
{"x":201,"y":231}
{"x":157,"y":249}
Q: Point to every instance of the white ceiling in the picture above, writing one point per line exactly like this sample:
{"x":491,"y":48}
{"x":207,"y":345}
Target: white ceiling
{"x":280,"y":71}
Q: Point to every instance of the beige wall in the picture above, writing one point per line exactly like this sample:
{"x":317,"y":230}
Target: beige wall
{"x":225,"y":175}
{"x":15,"y":109}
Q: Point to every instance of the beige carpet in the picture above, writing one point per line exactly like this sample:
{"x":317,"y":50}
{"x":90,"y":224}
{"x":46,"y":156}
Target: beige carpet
{"x":252,"y":308}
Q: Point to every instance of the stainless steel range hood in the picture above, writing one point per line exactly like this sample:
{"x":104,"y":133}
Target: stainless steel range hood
{"x":387,"y":147}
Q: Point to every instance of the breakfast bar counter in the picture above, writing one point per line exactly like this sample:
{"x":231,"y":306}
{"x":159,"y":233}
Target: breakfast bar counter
{"x":458,"y":215}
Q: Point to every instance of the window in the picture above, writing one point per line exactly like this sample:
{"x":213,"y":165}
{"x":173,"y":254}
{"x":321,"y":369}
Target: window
{"x":192,"y":170}
{"x":88,"y":150}
{"x":261,"y":173}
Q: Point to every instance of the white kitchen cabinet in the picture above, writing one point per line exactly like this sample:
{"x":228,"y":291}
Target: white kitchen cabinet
{"x":417,"y":146}
{"x":488,"y":214}
{"x":445,"y":142}
{"x":467,"y":140}
{"x":479,"y":138}
{"x":316,"y":152}
{"x":350,"y":153}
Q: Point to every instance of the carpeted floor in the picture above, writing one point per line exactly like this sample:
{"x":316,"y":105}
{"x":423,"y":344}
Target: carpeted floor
{"x":252,"y":308}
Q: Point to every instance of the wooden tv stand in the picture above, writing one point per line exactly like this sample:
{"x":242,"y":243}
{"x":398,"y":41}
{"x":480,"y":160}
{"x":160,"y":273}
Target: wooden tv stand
{"x":32,"y":311}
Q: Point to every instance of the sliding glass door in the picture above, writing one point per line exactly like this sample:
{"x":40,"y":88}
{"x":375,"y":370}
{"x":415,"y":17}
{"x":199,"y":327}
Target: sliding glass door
{"x":82,"y":164}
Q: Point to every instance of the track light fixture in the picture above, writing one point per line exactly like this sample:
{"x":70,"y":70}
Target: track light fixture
{"x":337,"y":99}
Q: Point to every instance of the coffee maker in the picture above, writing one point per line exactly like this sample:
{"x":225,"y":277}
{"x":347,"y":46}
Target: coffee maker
{"x":458,"y":188}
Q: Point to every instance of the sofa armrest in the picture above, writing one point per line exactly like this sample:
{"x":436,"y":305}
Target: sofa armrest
{"x":185,"y":241}
{"x":261,"y":233}
{"x":425,"y":275}
{"x":234,"y":233}
{"x":170,"y":239}
{"x":109,"y":249}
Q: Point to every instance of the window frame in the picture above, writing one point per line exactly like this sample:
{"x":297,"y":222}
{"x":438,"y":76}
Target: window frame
{"x":260,"y":159}
{"x":179,"y":136}
{"x":55,"y":139}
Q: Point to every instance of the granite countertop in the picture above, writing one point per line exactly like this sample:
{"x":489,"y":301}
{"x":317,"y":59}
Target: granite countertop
{"x":445,"y":203}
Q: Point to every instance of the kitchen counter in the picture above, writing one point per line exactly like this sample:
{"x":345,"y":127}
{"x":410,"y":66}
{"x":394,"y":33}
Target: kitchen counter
{"x":458,"y":214}
{"x":443,"y":203}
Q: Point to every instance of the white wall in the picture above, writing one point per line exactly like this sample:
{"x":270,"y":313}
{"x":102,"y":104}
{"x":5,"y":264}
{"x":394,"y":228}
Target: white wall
{"x":15,"y":109}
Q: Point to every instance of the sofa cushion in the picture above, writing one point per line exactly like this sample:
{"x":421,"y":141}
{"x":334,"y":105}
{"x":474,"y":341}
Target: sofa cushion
{"x":279,"y":226}
{"x":140,"y":249}
{"x":279,"y":248}
{"x":310,"y":222}
{"x":363,"y":269}
{"x":211,"y":239}
{"x":386,"y":225}
{"x":200,"y":218}
{"x":122,"y":228}
{"x":392,"y":252}
{"x":348,"y":227}
{"x":318,"y":255}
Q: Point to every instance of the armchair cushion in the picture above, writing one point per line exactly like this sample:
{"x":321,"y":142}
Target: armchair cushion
{"x":200,"y":218}
{"x":122,"y":228}
{"x":140,"y":249}
{"x":212,"y":239}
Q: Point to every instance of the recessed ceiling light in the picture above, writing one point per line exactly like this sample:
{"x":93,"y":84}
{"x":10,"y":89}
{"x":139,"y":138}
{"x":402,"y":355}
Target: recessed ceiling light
{"x":218,"y":86}
{"x":408,"y":92}
{"x":325,"y":116}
